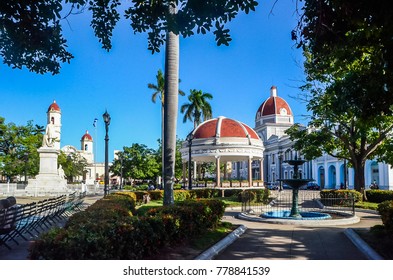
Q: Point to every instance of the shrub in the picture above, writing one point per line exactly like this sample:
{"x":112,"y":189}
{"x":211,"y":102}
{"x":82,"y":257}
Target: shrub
{"x":385,"y":209}
{"x":205,"y":193}
{"x":156,"y":195}
{"x":379,"y":196}
{"x":231,"y":192}
{"x":139,"y":195}
{"x":255,"y":195}
{"x":337,"y":194}
{"x":108,"y":231}
{"x":193,"y":217}
{"x":180,"y":195}
{"x":212,"y":209}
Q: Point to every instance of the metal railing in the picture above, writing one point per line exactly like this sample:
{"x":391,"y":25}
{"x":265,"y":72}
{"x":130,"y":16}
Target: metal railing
{"x":308,"y":201}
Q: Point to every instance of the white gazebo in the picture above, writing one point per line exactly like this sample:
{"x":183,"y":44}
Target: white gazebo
{"x":223,"y":140}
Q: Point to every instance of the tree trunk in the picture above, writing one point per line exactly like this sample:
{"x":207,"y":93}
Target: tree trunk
{"x":162,"y":144}
{"x":358,"y":168}
{"x":170,"y":111}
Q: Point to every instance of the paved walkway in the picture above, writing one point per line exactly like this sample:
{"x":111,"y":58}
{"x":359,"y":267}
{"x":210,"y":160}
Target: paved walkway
{"x":268,"y":241}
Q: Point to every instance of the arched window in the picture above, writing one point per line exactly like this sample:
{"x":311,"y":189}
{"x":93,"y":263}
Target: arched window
{"x":52,"y":120}
{"x":86,"y":147}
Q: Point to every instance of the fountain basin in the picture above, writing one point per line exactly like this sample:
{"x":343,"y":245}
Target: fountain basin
{"x":286,"y":214}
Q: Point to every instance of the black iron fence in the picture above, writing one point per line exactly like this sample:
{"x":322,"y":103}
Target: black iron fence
{"x":308,"y":201}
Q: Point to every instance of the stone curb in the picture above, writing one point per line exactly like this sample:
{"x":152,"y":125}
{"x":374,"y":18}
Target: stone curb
{"x":222,"y":244}
{"x":361,"y":245}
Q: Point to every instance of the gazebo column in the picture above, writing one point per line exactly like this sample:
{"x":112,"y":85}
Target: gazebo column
{"x":218,"y":174}
{"x":250,"y":171}
{"x":184,"y":174}
{"x":195,"y":171}
{"x":261,"y":170}
{"x":225,"y":172}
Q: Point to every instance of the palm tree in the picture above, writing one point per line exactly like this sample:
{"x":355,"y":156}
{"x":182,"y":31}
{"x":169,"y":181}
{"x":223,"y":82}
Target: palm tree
{"x":197,"y":107}
{"x":171,"y":90}
{"x":159,"y":91}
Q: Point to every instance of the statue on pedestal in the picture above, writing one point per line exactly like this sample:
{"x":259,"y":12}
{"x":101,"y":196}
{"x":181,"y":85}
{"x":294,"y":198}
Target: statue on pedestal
{"x":49,"y":136}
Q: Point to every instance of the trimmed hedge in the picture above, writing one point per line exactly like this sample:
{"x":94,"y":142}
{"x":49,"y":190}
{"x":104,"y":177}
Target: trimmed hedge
{"x":193,"y":217}
{"x":255,"y":195}
{"x":385,"y":209}
{"x":181,"y":195}
{"x":341,"y":194}
{"x":108,"y":231}
{"x":378,"y":196}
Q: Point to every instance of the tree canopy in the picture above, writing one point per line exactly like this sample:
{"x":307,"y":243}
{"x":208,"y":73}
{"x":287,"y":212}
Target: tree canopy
{"x":348,"y":66}
{"x":18,"y":148}
{"x":137,"y":162}
{"x":73,"y":164}
{"x":350,"y":40}
{"x":141,"y":162}
{"x":31,"y":31}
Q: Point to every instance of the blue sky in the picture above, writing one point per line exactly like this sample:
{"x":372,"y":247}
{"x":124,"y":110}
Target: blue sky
{"x":239,"y":77}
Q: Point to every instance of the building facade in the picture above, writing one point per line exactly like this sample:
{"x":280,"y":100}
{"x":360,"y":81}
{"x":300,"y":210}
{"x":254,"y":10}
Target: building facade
{"x":272,"y":118}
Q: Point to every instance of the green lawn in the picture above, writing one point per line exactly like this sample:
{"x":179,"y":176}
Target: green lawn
{"x":143,"y":208}
{"x":366,"y":205}
{"x":212,"y":236}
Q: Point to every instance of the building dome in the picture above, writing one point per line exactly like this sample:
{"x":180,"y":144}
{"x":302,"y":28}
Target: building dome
{"x":87,"y":137}
{"x":223,"y":138}
{"x":54,"y":107}
{"x":223,"y":127}
{"x":274,"y":105}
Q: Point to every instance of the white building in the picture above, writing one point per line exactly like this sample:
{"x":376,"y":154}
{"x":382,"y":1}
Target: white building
{"x":272,"y":118}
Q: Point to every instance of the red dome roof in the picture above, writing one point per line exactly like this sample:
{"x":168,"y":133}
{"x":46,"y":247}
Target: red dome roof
{"x":87,"y":136}
{"x":224,"y":127}
{"x":274,"y":105}
{"x":54,"y":107}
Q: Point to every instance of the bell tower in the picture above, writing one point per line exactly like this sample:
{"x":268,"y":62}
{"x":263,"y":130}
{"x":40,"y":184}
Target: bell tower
{"x":87,"y":147}
{"x":54,"y":117}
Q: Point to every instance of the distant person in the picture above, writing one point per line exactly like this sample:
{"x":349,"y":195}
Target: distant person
{"x":151,"y":187}
{"x":4,"y":203}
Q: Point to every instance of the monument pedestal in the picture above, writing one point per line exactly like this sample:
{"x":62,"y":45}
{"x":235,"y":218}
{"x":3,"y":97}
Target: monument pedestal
{"x":48,"y":181}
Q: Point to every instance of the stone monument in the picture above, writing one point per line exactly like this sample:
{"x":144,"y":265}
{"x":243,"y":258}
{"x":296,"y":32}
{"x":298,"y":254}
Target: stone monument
{"x":50,"y":180}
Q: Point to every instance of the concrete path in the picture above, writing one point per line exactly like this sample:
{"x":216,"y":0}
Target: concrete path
{"x":268,"y":241}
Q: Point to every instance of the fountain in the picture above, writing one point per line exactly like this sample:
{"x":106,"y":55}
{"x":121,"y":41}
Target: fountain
{"x":296,"y":183}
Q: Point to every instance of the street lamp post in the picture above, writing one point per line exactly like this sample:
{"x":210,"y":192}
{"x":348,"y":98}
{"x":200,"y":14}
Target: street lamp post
{"x":189,"y":161}
{"x":107,"y":121}
{"x":26,"y":159}
{"x":280,"y":168}
{"x":345,"y":174}
{"x":121,"y":171}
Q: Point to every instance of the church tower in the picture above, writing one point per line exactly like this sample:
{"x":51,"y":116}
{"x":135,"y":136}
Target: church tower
{"x":54,"y":117}
{"x":87,"y":147}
